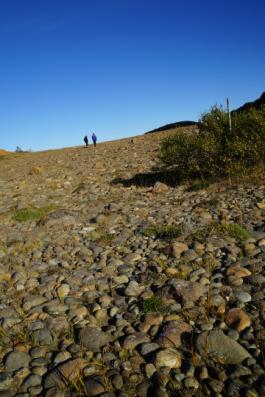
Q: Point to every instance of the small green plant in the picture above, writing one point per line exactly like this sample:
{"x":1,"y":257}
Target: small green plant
{"x":27,"y":214}
{"x":233,"y":230}
{"x":153,"y":304}
{"x":210,"y":264}
{"x":164,"y":232}
{"x":77,"y":385}
{"x":107,"y":237}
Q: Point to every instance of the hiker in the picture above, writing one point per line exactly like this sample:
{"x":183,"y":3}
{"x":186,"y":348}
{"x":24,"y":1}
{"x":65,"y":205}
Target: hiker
{"x":86,"y":140}
{"x":94,"y":139}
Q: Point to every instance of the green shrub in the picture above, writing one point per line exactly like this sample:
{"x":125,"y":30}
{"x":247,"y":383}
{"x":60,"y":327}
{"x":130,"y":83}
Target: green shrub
{"x":164,"y":232}
{"x":216,"y":151}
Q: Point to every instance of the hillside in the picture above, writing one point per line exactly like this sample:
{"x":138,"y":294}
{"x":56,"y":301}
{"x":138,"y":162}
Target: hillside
{"x":254,"y":104}
{"x":3,"y":152}
{"x":113,"y":284}
{"x":171,"y":126}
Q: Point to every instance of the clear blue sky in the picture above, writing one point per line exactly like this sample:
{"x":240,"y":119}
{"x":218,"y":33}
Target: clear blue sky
{"x":122,"y":67}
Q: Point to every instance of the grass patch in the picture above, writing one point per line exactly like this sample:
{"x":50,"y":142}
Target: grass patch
{"x":164,"y":232}
{"x":27,"y":214}
{"x":107,"y":238}
{"x":233,"y":230}
{"x":153,"y":304}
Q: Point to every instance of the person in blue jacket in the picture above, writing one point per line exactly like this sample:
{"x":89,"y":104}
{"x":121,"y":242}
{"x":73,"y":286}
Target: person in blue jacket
{"x":94,"y":139}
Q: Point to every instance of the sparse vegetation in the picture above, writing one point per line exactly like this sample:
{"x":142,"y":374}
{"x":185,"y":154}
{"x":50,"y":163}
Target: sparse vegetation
{"x":216,"y":151}
{"x":153,"y":304}
{"x":27,"y":214}
{"x":106,"y":237}
{"x":233,"y":230}
{"x":164,"y":231}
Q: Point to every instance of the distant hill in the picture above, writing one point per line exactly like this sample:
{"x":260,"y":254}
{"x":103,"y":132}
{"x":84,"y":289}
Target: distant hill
{"x":173,"y":125}
{"x":3,"y":152}
{"x":255,"y":104}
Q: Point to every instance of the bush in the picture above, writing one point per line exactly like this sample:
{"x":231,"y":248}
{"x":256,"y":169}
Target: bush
{"x":216,"y":151}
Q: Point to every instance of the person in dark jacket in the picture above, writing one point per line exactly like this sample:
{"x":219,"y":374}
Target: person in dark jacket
{"x":94,"y":139}
{"x":86,"y":140}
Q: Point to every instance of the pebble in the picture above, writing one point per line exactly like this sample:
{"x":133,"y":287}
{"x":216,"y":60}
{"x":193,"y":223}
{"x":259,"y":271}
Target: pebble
{"x":242,"y":296}
{"x":167,"y":358}
{"x":16,"y":360}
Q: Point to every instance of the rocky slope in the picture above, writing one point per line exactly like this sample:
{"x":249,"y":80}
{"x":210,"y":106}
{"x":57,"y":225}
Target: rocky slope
{"x":99,"y":298}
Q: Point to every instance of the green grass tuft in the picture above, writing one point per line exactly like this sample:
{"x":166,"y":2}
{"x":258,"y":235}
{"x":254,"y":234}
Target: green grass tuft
{"x":27,"y":214}
{"x":153,"y":304}
{"x":164,"y":232}
{"x":233,"y":230}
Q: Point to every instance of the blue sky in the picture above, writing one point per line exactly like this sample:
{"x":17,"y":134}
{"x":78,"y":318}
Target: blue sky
{"x":122,"y":67}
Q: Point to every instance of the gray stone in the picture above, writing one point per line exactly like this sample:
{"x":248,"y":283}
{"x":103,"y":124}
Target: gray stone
{"x":133,"y":340}
{"x":147,"y":348}
{"x":31,"y":381}
{"x":94,"y":385}
{"x":64,"y":373}
{"x":242,"y":296}
{"x":54,"y":392}
{"x":133,"y":289}
{"x":37,"y":352}
{"x":93,"y":338}
{"x":16,"y":360}
{"x":184,"y":290}
{"x":117,"y":382}
{"x":42,"y":337}
{"x":61,"y":357}
{"x":216,"y":345}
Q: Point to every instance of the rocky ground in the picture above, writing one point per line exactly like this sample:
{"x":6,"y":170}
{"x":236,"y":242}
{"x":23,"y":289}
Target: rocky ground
{"x":116,"y":285}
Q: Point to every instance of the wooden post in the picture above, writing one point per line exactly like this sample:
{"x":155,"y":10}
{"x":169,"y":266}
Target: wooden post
{"x":229,"y":114}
